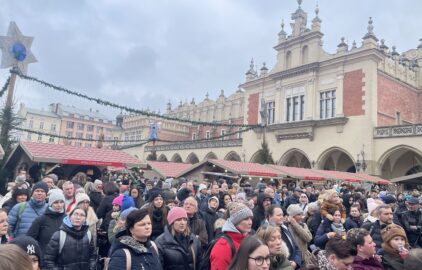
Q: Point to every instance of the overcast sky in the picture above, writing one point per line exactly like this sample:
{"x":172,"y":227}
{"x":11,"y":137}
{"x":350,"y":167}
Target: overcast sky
{"x":142,"y":53}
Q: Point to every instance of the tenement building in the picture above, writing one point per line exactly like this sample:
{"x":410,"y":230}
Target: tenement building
{"x":359,"y":109}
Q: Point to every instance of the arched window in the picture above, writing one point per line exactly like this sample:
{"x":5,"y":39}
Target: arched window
{"x":305,"y":55}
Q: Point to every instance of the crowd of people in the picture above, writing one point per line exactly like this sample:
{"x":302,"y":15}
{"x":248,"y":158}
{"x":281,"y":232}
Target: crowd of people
{"x":171,"y":224}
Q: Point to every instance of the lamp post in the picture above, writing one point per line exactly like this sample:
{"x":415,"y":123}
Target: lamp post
{"x":361,"y":165}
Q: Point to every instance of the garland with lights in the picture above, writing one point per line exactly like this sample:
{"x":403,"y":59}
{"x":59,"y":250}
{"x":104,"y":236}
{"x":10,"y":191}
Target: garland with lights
{"x":125,"y":108}
{"x":5,"y":87}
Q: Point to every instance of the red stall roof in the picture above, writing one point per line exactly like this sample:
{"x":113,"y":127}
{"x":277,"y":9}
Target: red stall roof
{"x":299,"y":173}
{"x":168,"y":169}
{"x":374,"y":179}
{"x":67,"y":154}
{"x":337,"y":175}
{"x":246,"y":168}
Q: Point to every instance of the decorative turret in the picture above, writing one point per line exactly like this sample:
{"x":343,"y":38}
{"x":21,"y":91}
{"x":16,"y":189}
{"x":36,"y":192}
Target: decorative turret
{"x":192,"y":102}
{"x":394,"y":53}
{"x":342,"y":46}
{"x":207,"y":96}
{"x":383,"y":47}
{"x":168,"y":106}
{"x":300,"y":20}
{"x":420,"y":45}
{"x":354,"y":45}
{"x":221,"y":93}
{"x":282,"y":35}
{"x":264,"y":70}
{"x":251,"y":73}
{"x":119,"y":120}
{"x":239,"y":89}
{"x":316,"y":22}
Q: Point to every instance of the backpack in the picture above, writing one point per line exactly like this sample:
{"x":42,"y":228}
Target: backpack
{"x":63,"y":236}
{"x":205,"y":260}
{"x":128,"y":257}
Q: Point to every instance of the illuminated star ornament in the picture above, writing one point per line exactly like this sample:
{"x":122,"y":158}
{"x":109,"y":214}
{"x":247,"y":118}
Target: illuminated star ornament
{"x":16,"y":49}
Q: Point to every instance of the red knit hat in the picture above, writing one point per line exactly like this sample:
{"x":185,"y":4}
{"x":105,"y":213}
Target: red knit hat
{"x":176,"y":213}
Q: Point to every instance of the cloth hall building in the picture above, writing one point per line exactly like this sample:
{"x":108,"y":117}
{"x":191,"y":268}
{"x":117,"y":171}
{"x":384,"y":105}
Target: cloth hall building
{"x":357,"y":109}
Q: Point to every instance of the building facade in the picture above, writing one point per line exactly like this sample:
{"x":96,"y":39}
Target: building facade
{"x":359,"y":109}
{"x":66,"y":121}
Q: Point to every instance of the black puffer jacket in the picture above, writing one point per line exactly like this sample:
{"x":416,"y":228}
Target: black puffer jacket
{"x":177,"y":254}
{"x":157,"y":217}
{"x":413,"y":218}
{"x":197,"y":227}
{"x":105,"y":206}
{"x":45,"y":226}
{"x":352,"y":223}
{"x":209,"y":216}
{"x":142,"y":256}
{"x":78,"y":252}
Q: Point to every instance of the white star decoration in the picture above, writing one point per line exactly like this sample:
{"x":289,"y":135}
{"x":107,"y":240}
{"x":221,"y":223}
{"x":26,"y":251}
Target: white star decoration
{"x":16,"y":49}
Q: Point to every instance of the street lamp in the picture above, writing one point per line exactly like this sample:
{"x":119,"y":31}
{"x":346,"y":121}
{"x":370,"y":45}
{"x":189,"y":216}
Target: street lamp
{"x":361,"y":165}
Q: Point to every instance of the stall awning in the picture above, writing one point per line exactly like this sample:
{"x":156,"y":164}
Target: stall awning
{"x":299,"y":173}
{"x":67,"y":154}
{"x":246,"y":168}
{"x":408,"y":178}
{"x":373,"y":179}
{"x":342,"y":176}
{"x":168,"y":169}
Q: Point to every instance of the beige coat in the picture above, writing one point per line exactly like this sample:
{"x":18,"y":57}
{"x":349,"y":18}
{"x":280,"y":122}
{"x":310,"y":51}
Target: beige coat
{"x":302,"y":237}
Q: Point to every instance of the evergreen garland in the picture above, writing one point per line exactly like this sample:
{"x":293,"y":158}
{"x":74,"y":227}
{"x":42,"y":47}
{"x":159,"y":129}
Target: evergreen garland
{"x":5,"y":87}
{"x":125,"y":108}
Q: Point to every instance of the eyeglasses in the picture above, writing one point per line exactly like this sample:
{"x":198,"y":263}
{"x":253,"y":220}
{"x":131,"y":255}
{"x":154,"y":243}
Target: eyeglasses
{"x":260,"y":260}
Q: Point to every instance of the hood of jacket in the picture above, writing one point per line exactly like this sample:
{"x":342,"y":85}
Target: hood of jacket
{"x":136,"y":246}
{"x":261,"y":198}
{"x":228,"y":226}
{"x":68,"y":228}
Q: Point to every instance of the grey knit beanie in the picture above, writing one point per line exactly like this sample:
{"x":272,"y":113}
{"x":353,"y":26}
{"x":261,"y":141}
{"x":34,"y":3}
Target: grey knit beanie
{"x":239,"y":212}
{"x":294,"y":209}
{"x":54,"y":196}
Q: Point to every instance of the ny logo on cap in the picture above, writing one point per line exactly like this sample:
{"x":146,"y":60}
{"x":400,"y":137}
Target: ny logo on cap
{"x":30,"y":249}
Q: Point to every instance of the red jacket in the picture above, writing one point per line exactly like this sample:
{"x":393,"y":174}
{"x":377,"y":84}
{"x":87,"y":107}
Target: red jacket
{"x":372,"y":263}
{"x":221,"y":255}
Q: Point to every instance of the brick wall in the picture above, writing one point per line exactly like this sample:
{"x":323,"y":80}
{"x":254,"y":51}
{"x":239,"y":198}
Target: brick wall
{"x":353,"y":93}
{"x":396,"y":97}
{"x":253,"y":107}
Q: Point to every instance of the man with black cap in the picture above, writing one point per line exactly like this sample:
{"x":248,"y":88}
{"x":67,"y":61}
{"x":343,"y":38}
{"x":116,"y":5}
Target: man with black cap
{"x":412,"y":222}
{"x":31,"y":247}
{"x":23,"y":214}
{"x":264,"y":202}
{"x":294,"y":198}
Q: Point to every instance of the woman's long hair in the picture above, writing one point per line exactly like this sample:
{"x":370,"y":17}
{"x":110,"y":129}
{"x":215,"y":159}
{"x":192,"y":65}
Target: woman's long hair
{"x":248,"y":246}
{"x":163,"y":209}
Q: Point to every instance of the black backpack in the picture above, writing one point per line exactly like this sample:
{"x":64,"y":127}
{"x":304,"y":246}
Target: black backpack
{"x":205,"y":260}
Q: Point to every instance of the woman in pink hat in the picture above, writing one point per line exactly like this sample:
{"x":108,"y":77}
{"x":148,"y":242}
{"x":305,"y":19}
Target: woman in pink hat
{"x":178,"y":247}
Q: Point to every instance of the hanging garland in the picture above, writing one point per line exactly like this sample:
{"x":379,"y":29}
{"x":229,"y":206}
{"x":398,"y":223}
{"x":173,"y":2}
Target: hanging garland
{"x":127,"y":109}
{"x":5,"y":87}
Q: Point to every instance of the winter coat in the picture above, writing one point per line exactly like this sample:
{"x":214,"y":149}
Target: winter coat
{"x":197,"y":227}
{"x":259,"y":211}
{"x":321,"y":237}
{"x":45,"y":226}
{"x":78,"y":252}
{"x":294,"y":251}
{"x":177,"y":255}
{"x":209,"y":216}
{"x":302,"y":236}
{"x":374,"y":230}
{"x":281,"y":264}
{"x":319,"y":262}
{"x":157,"y":217}
{"x":325,"y":205}
{"x":412,"y":218}
{"x":221,"y":254}
{"x":106,"y":205}
{"x":313,"y":222}
{"x":3,"y":239}
{"x":352,"y":223}
{"x":371,"y":263}
{"x":95,"y":198}
{"x":32,"y":210}
{"x":143,"y":256}
{"x":8,"y":205}
{"x":391,"y":262}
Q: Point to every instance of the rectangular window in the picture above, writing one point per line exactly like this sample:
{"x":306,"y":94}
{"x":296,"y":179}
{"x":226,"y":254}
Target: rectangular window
{"x":53,"y":127}
{"x":89,"y":136}
{"x":79,"y":144}
{"x":39,"y":138}
{"x":327,"y":104}
{"x":31,"y":124}
{"x":41,"y":125}
{"x":239,"y":135}
{"x":99,"y":129}
{"x":28,"y":137}
{"x":398,"y":118}
{"x":288,"y":108}
{"x":69,"y":134}
{"x":90,"y":127}
{"x":302,"y":107}
{"x":70,"y":124}
{"x":79,"y":135}
{"x":88,"y":145}
{"x":193,"y":136}
{"x":270,"y":112}
{"x":51,"y":139}
{"x":81,"y":126}
{"x":208,"y":135}
{"x":223,"y":132}
{"x":295,"y":108}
